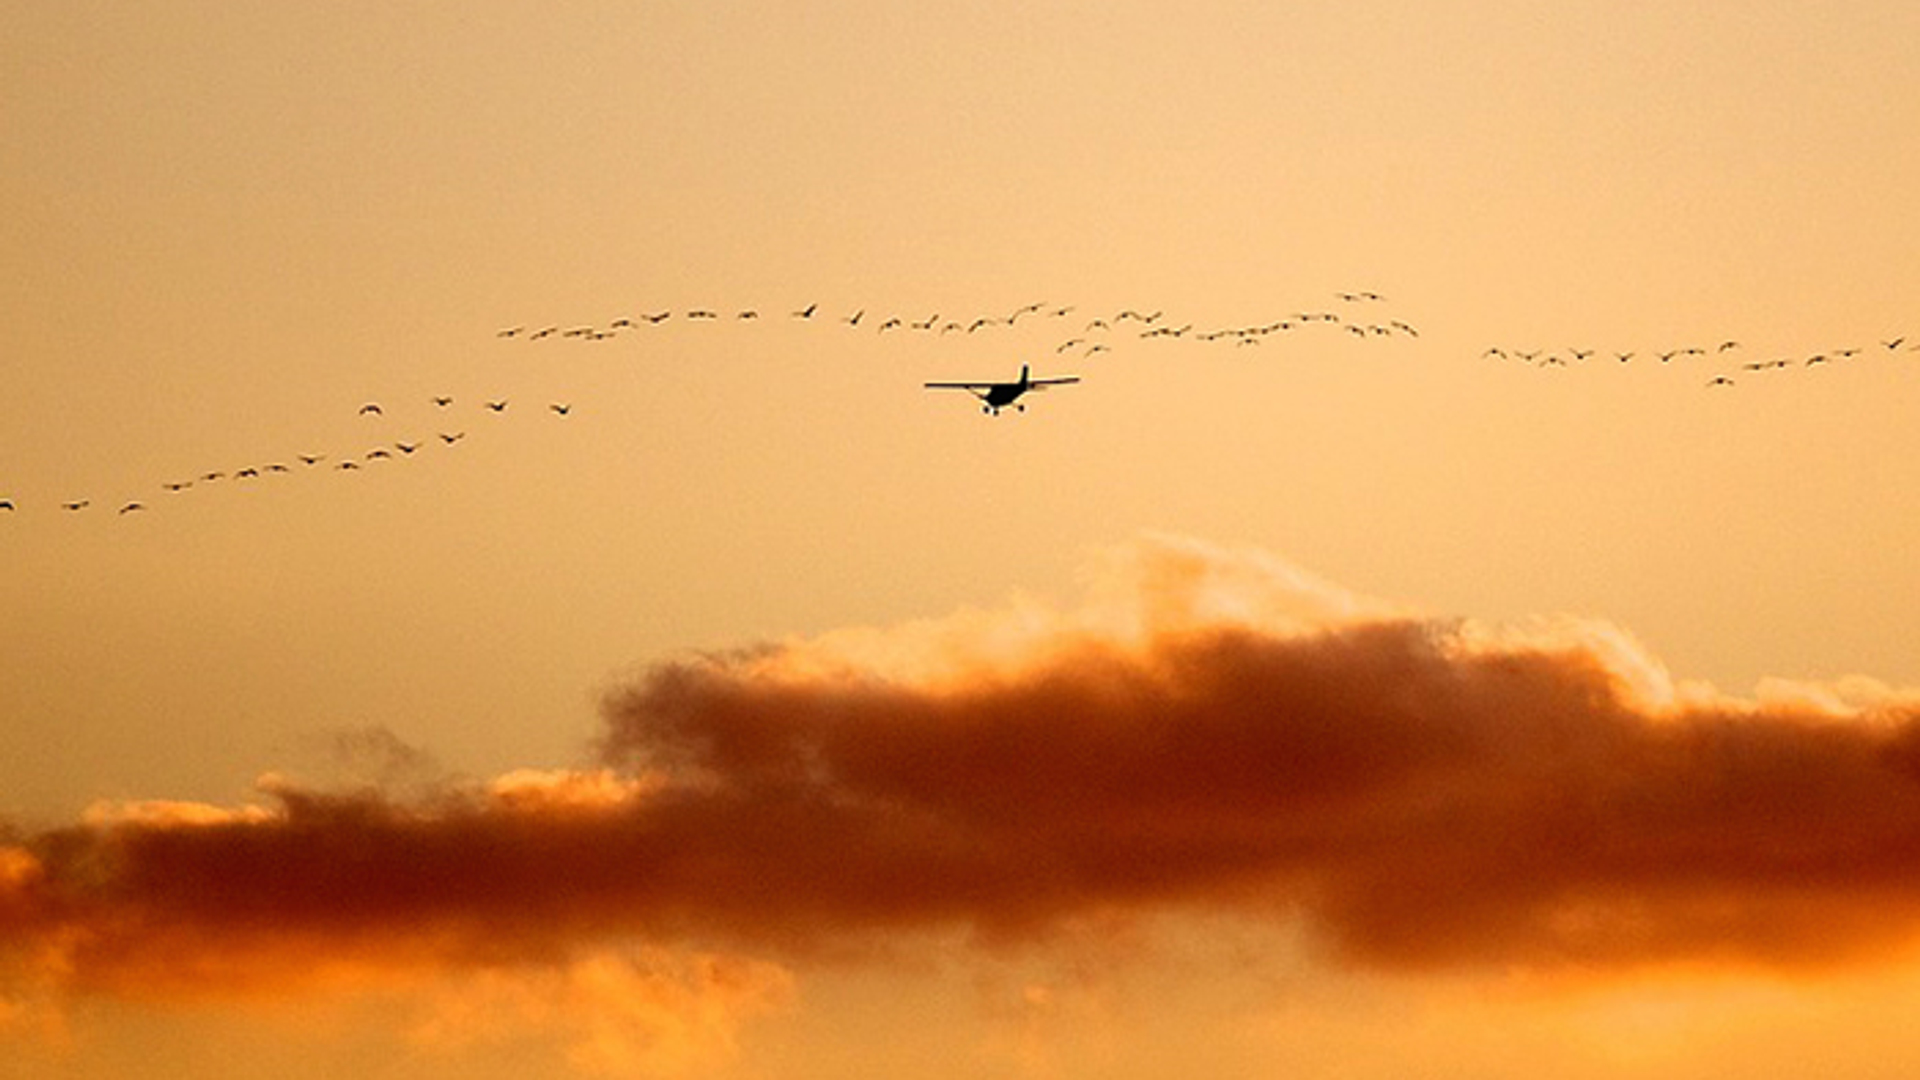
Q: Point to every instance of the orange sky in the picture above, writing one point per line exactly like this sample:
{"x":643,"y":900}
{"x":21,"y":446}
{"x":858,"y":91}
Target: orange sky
{"x":1074,"y":802}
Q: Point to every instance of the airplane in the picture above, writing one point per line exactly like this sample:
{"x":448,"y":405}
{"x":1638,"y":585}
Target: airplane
{"x":995,"y":396}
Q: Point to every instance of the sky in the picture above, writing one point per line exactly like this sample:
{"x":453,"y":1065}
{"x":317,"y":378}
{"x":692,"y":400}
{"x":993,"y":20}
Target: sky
{"x":523,"y":614}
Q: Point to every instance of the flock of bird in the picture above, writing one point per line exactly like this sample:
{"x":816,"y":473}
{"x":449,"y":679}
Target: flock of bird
{"x":1082,"y":337}
{"x":1096,"y":335}
{"x":397,"y":450}
{"x":1544,"y":358}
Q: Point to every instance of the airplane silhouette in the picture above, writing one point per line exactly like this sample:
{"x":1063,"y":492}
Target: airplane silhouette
{"x":995,"y":396}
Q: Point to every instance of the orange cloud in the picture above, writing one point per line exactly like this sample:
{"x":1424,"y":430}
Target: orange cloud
{"x":1217,"y":733}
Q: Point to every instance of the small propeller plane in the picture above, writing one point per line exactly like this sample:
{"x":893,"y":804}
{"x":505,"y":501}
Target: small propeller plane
{"x":995,"y":396}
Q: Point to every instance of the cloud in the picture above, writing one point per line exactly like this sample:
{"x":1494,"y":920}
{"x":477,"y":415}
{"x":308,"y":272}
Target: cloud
{"x":637,"y":1012}
{"x":1212,"y":732}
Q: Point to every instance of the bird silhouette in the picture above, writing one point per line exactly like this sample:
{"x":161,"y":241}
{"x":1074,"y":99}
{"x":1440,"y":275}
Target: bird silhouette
{"x":443,"y":402}
{"x":132,"y":506}
{"x":497,"y":406}
{"x":560,"y":409}
{"x":77,"y":504}
{"x":806,"y":312}
{"x":312,"y":459}
{"x":406,"y":448}
{"x":371,"y":409}
{"x":453,"y":438}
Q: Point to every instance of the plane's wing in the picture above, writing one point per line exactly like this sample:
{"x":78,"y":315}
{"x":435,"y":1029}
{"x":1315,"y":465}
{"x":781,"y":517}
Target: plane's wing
{"x":1054,"y":382}
{"x":960,"y":386}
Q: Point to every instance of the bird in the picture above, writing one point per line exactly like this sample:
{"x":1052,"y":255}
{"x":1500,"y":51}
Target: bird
{"x":560,"y":409}
{"x":443,"y":402}
{"x":854,"y":319}
{"x":132,"y":506}
{"x":453,"y":438}
{"x":806,"y":312}
{"x":1728,"y":344}
{"x":178,"y":485}
{"x":347,"y":465}
{"x":371,"y":409}
{"x":1720,"y":380}
{"x":77,"y":504}
{"x":1894,"y":344}
{"x":6,"y":504}
{"x":749,"y":314}
{"x":658,"y":317}
{"x":312,"y":459}
{"x":378,"y":453}
{"x":702,"y":314}
{"x":248,"y":473}
{"x":406,"y":448}
{"x":509,"y":332}
{"x":497,"y":406}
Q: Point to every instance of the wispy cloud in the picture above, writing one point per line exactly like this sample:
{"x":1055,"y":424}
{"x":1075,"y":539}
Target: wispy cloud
{"x":1213,"y":731}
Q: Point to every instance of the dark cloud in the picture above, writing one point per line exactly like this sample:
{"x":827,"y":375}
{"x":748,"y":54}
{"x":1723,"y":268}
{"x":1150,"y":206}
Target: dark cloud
{"x":1418,"y":794}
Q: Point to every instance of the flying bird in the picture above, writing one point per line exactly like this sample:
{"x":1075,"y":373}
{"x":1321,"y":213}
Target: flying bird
{"x":406,"y":448}
{"x":560,"y":409}
{"x":77,"y":504}
{"x":312,"y":459}
{"x":443,"y":402}
{"x":806,"y":312}
{"x":6,"y":504}
{"x":497,"y":406}
{"x":132,"y":506}
{"x":371,"y":408}
{"x":453,"y":438}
